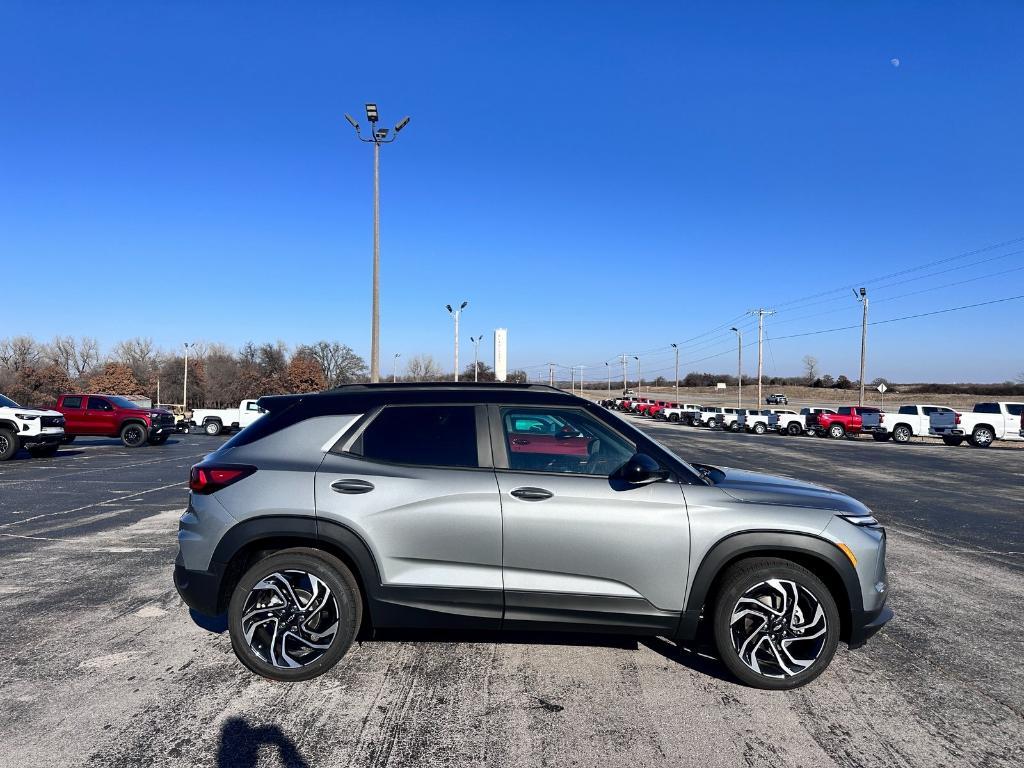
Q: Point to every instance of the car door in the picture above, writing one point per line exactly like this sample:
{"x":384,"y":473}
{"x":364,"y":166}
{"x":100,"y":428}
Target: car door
{"x":99,"y":417}
{"x":73,"y":408}
{"x":580,"y":547}
{"x":415,"y":483}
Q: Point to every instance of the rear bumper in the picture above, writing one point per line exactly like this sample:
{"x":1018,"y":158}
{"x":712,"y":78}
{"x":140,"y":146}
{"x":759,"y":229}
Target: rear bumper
{"x":200,"y":590}
{"x":864,"y":624}
{"x":875,"y":430}
{"x":946,"y":432}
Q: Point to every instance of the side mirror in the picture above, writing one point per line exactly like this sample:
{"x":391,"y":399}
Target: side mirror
{"x":641,"y":469}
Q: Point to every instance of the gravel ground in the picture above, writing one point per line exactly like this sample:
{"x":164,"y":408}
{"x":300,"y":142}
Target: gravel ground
{"x":105,"y":666}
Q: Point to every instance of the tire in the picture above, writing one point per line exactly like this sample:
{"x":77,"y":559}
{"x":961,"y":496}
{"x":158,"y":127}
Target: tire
{"x":794,"y":429}
{"x":735,"y":426}
{"x":134,"y":434}
{"x":338,"y":615}
{"x":982,"y":437}
{"x":68,"y":439}
{"x":880,"y":437}
{"x":954,"y":441}
{"x":836,"y":431}
{"x":759,"y":428}
{"x":212,"y":428}
{"x":902,"y":434}
{"x":9,"y":444}
{"x":712,"y":423}
{"x":673,"y":417}
{"x":737,"y":621}
{"x":43,"y":451}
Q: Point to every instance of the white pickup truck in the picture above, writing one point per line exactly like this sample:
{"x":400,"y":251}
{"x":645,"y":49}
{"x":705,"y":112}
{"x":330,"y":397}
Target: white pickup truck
{"x":39,"y":432}
{"x":908,"y":421}
{"x":731,"y":417}
{"x":986,"y":423}
{"x":758,"y":421}
{"x":790,"y":423}
{"x":708,"y":416}
{"x":683,"y":413}
{"x":213,"y":421}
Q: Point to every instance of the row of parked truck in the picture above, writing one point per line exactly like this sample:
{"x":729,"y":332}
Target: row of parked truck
{"x":42,"y":432}
{"x":985,"y":424}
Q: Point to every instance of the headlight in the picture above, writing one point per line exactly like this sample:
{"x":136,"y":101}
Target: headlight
{"x":26,"y":416}
{"x":864,"y":521}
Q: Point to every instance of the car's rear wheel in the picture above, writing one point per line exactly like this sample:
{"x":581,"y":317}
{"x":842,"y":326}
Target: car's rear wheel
{"x":293,"y":615}
{"x":954,"y":441}
{"x":133,"y":435}
{"x":213,"y":428}
{"x":8,"y":444}
{"x":794,"y":429}
{"x":760,"y":429}
{"x":902,"y":434}
{"x":982,"y":437}
{"x":673,"y":417}
{"x":775,"y":623}
{"x":836,"y":431}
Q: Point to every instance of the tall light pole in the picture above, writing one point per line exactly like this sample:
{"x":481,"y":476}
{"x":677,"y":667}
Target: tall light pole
{"x":608,"y":369}
{"x":581,"y":379}
{"x":639,"y":377}
{"x":476,"y":356}
{"x":676,"y":348}
{"x":760,"y":343}
{"x":184,"y":389}
{"x":551,"y":374}
{"x":394,"y":367}
{"x":378,"y":136}
{"x":455,"y":315}
{"x":572,"y":379}
{"x":739,"y":367}
{"x":863,"y":299}
{"x":625,"y":383}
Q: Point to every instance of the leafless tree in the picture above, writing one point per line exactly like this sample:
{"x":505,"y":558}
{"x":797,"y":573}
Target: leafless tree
{"x":340,"y":363}
{"x":422,"y":368}
{"x":139,"y":354}
{"x":19,"y":352}
{"x":810,"y":367}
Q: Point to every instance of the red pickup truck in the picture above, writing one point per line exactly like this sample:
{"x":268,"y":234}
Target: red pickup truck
{"x":114,"y":416}
{"x":845,"y":422}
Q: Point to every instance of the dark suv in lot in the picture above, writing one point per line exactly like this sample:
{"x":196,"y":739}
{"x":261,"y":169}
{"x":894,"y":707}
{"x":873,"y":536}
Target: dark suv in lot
{"x":513,"y":506}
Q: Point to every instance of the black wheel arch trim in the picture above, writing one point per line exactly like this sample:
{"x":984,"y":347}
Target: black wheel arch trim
{"x":769,"y":542}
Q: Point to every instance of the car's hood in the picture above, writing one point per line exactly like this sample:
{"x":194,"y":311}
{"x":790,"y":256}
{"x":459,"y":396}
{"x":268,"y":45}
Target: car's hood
{"x":33,"y":411}
{"x":759,"y":488}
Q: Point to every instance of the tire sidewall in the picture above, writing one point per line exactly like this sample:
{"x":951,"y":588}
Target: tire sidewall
{"x":10,"y":443}
{"x":985,"y":443}
{"x":127,"y":428}
{"x":339,"y":580}
{"x":836,"y":431}
{"x":904,"y":431}
{"x":212,"y":428}
{"x":742,"y":577}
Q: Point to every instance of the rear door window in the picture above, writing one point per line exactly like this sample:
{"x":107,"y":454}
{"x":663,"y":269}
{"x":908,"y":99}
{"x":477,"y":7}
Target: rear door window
{"x":72,"y":402}
{"x":432,"y":435}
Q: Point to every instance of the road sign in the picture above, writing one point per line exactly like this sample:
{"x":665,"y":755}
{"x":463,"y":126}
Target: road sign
{"x":882,"y":388}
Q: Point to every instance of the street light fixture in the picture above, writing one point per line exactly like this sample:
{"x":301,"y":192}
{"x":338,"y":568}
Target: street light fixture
{"x":455,"y":316}
{"x":378,"y":136}
{"x":739,"y":367}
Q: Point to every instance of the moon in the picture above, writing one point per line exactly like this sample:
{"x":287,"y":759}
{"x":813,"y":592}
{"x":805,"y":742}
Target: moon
{"x":895,"y":62}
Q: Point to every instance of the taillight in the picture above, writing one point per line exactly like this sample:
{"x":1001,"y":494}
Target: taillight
{"x":206,"y":479}
{"x":957,"y":419}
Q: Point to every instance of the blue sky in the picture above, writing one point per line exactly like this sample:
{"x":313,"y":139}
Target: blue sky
{"x":598,"y":177}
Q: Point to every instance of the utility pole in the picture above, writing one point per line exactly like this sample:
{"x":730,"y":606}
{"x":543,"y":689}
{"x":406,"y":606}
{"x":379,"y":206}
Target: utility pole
{"x":760,"y":343}
{"x":608,"y":370}
{"x":739,"y":367}
{"x":476,"y":356}
{"x":378,"y":136}
{"x":184,"y":392}
{"x":581,"y":379}
{"x":455,"y":315}
{"x":863,"y":299}
{"x":676,"y":348}
{"x":572,"y":379}
{"x":625,"y":383}
{"x":551,"y":374}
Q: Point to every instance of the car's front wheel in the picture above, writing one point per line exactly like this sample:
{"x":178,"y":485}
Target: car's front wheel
{"x":8,"y":444}
{"x":776,"y":625}
{"x":293,"y":615}
{"x":133,"y":435}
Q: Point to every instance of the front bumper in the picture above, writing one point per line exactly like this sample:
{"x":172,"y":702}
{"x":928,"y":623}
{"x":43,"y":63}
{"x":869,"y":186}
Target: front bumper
{"x":200,"y":590}
{"x":156,"y":430}
{"x":44,"y":438}
{"x":864,"y":624}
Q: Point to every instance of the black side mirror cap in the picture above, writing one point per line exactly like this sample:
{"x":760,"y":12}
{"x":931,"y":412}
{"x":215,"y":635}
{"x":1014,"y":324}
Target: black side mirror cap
{"x":641,"y":469}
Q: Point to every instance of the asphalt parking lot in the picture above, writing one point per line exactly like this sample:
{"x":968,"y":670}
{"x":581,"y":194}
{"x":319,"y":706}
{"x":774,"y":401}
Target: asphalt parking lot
{"x":105,"y":667}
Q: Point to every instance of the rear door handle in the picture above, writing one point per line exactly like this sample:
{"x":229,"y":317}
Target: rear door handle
{"x":532,"y":494}
{"x":351,"y":486}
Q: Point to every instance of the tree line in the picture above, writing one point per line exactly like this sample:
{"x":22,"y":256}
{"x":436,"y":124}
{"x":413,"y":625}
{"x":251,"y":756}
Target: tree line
{"x":35,"y":373}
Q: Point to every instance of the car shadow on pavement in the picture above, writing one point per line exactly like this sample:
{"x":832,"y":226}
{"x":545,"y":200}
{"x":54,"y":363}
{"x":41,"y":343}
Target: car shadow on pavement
{"x":698,"y":659}
{"x":241,"y":743}
{"x":502,"y":637}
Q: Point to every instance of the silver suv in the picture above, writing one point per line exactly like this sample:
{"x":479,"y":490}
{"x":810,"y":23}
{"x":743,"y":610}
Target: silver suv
{"x":513,"y":506}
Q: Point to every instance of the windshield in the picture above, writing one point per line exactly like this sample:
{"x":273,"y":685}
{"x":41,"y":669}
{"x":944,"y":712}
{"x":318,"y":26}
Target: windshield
{"x":123,"y":402}
{"x":6,"y":402}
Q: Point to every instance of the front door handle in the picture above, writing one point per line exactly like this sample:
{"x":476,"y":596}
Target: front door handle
{"x":532,"y":494}
{"x":351,"y":486}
